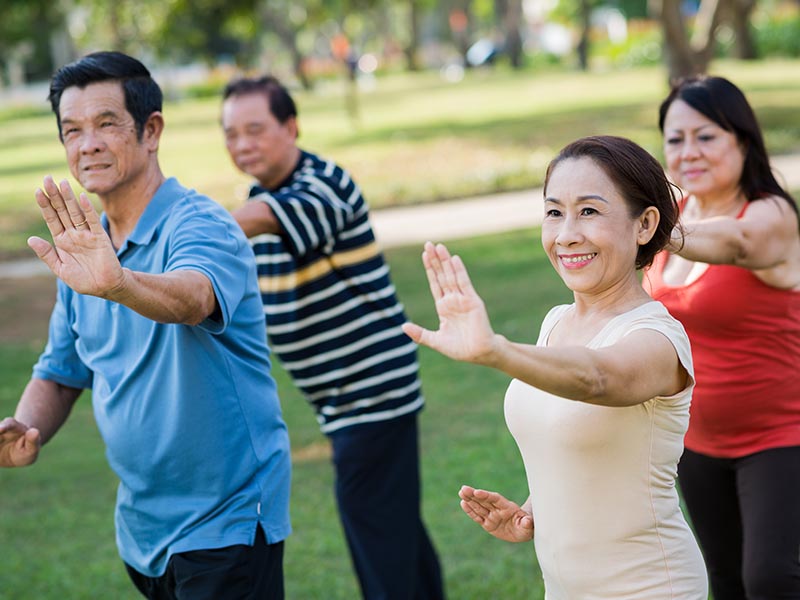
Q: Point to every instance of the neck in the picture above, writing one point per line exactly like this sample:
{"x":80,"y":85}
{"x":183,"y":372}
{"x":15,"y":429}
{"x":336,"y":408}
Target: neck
{"x":727,"y":203}
{"x":288,"y":165}
{"x":124,"y":206}
{"x":613,"y":301}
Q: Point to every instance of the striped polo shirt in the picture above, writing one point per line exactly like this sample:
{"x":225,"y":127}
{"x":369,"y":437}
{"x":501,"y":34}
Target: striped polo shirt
{"x":333,"y":317}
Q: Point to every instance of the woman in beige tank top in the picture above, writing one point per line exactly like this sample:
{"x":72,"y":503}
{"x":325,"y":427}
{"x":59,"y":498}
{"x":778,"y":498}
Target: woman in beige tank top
{"x":600,"y":404}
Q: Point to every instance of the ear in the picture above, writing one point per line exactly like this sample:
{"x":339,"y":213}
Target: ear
{"x":153,"y":128}
{"x":291,"y":126}
{"x":648,"y":223}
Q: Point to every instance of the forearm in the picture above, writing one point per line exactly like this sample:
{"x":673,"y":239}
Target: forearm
{"x":716,"y":241}
{"x":45,"y":405}
{"x":256,"y":217}
{"x":183,"y":296}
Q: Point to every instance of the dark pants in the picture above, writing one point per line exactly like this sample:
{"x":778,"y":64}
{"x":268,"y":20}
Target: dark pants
{"x":746,"y":513}
{"x":378,"y":493}
{"x":232,"y":573}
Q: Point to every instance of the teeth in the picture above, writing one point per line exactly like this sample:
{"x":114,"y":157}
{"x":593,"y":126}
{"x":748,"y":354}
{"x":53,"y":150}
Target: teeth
{"x":581,"y":258}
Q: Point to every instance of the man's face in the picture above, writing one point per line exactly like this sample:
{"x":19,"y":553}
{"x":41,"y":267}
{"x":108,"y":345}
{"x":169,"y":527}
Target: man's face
{"x":99,"y":134}
{"x":258,"y":143}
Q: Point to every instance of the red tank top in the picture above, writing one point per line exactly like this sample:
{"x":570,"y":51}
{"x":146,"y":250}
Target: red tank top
{"x":745,"y":338}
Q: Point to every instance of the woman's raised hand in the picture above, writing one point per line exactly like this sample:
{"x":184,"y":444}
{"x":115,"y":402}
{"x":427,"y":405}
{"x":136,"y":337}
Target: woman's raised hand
{"x":464,"y":330}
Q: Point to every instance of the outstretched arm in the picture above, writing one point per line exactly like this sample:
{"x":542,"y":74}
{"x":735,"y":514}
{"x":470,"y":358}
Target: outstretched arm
{"x":83,"y":257}
{"x":640,"y":366}
{"x":498,"y":516}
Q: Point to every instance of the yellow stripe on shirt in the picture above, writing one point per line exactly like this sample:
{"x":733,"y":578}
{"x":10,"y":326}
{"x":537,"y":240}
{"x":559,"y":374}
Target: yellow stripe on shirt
{"x":318,"y":269}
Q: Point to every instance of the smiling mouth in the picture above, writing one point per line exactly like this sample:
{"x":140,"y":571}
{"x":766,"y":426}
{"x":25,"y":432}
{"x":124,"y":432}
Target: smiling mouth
{"x":577,"y":259}
{"x":95,"y":167}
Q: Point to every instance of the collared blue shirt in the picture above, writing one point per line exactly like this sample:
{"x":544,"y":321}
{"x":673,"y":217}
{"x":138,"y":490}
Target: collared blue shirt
{"x":189,"y":414}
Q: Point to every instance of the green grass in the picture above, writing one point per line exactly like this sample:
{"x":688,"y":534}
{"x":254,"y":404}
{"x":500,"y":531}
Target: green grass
{"x":418,"y":139}
{"x":56,"y":518}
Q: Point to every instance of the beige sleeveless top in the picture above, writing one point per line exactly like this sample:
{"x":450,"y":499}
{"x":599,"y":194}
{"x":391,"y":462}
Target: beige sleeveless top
{"x":602,"y":482}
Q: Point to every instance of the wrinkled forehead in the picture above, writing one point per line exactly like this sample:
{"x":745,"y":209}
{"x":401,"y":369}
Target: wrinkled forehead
{"x":93,"y":99}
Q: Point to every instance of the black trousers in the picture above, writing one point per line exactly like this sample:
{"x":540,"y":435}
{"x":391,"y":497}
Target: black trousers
{"x":378,"y":494}
{"x":746,"y":513}
{"x":232,"y":573}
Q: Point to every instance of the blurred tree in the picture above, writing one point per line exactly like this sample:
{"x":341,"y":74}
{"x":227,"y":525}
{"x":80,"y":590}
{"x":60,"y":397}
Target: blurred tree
{"x":34,"y":39}
{"x":509,"y":16}
{"x":286,"y":20}
{"x":739,"y":17}
{"x":687,"y":55}
{"x":411,"y":49}
{"x":206,"y":29}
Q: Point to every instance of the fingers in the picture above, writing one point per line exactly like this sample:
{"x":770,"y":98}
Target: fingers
{"x":90,"y":214}
{"x":61,"y":208}
{"x":446,"y":274}
{"x":431,"y":263}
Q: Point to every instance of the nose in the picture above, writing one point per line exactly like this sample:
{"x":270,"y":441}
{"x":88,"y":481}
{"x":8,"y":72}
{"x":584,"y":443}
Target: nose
{"x":239,"y":143}
{"x":569,"y":232}
{"x":91,"y":143}
{"x":689,"y":149}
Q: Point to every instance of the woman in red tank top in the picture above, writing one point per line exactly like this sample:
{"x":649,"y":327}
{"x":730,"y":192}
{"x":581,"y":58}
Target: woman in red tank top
{"x":733,"y":279}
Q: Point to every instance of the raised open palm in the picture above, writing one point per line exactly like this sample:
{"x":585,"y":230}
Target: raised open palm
{"x":81,"y":254}
{"x":465,"y":332}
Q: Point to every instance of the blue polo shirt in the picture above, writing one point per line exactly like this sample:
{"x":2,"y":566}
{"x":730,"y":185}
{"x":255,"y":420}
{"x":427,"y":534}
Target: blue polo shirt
{"x":189,"y":414}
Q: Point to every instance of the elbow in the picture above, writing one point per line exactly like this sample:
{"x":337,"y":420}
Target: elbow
{"x":594,"y":384}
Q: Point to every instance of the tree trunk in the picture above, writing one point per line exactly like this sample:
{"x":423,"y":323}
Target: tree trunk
{"x":685,"y":57}
{"x":583,"y":43}
{"x":410,"y":50}
{"x":513,"y":25}
{"x":275,"y":22}
{"x":744,"y":45}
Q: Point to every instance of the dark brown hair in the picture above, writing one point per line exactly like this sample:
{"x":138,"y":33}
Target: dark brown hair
{"x":639,"y":179}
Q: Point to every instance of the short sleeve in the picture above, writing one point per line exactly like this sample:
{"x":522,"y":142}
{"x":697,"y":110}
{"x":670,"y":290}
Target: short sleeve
{"x":214,"y":245}
{"x":314,"y":209}
{"x":60,"y":361}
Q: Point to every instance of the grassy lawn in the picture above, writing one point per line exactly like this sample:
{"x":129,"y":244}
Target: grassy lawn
{"x":56,"y":518}
{"x":418,"y":138}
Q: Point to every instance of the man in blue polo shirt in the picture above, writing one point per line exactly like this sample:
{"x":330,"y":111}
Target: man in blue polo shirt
{"x":158,"y":313}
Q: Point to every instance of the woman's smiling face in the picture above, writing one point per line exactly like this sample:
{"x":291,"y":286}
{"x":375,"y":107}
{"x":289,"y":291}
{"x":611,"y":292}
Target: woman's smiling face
{"x":588,"y":232}
{"x":702,"y":158}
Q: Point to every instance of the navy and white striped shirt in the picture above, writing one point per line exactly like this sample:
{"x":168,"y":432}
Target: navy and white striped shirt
{"x":333,"y":317}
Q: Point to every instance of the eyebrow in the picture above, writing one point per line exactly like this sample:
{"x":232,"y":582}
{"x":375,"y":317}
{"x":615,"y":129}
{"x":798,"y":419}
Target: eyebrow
{"x":584,"y":198}
{"x":103,"y":115}
{"x":696,"y":129}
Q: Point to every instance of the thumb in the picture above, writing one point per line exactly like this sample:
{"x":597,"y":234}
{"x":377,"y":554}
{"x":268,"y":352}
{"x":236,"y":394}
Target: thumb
{"x":44,"y":250}
{"x":413,"y":331}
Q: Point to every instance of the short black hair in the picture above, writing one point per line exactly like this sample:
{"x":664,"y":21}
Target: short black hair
{"x":143,"y":97}
{"x":281,"y":103}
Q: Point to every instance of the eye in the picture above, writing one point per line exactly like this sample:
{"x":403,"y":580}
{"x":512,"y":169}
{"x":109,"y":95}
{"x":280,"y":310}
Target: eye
{"x":588,"y":210}
{"x":255,"y":130}
{"x":674,"y":140}
{"x":706,"y":138}
{"x":553,"y":213}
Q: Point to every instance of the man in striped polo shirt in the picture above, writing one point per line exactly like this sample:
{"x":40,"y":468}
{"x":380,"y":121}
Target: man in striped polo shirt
{"x":334,"y":320}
